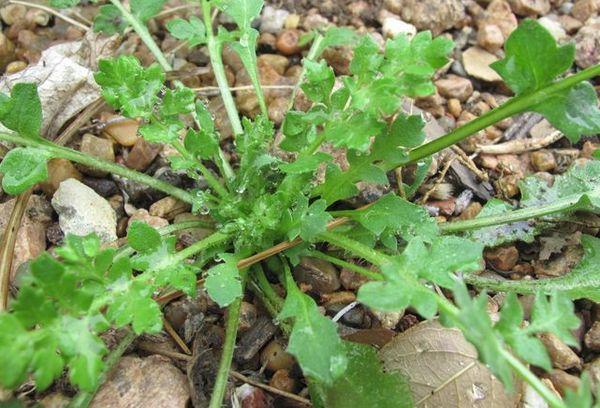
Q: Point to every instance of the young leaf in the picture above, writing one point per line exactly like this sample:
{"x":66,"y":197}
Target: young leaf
{"x":401,"y":287}
{"x":520,"y":340}
{"x":22,"y":111}
{"x":243,"y":12}
{"x":23,"y":167}
{"x":476,"y":325}
{"x":129,"y":87}
{"x":395,"y":215}
{"x":325,"y":363}
{"x":201,"y":143}
{"x":16,"y":347}
{"x":137,"y":307}
{"x":192,"y":31}
{"x":223,"y":283}
{"x":533,"y":60}
{"x":319,"y":81}
{"x":365,"y":384}
{"x":314,"y":221}
{"x":146,"y":9}
{"x":109,"y":20}
{"x":142,"y":237}
{"x":386,"y":152}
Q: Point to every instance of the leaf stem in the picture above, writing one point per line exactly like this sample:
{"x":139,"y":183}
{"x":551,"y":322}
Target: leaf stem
{"x":231,"y":328}
{"x":216,"y":61}
{"x":210,"y":241}
{"x":522,"y":214}
{"x":91,"y":161}
{"x":345,"y":264}
{"x":144,"y":34}
{"x":84,"y":398}
{"x":516,"y":105}
{"x":357,"y":248}
{"x":208,"y":176}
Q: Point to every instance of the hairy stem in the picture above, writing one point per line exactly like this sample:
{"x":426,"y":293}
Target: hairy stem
{"x":354,"y":247}
{"x":516,"y":105}
{"x":231,"y":328}
{"x":210,"y":241}
{"x":91,"y":161}
{"x":216,"y":61}
{"x":345,"y":264}
{"x":144,"y":34}
{"x":84,"y":398}
{"x":522,"y":214}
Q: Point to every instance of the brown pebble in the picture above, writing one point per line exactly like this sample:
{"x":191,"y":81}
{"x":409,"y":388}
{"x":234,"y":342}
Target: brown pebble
{"x":543,"y":160}
{"x":454,"y":86}
{"x":142,"y":154}
{"x":282,"y":381}
{"x":97,"y":147}
{"x":288,"y":42}
{"x":124,"y":131}
{"x":563,"y":381}
{"x":502,"y":258}
{"x":15,"y":66}
{"x":561,"y":355}
{"x":592,"y":337}
{"x":58,"y":171}
{"x":274,"y":357}
{"x":454,"y":107}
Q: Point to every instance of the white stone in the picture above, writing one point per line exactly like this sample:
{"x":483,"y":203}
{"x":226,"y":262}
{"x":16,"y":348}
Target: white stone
{"x":273,"y":19}
{"x":393,"y":26}
{"x":477,"y":64}
{"x":81,"y":211}
{"x":554,"y":27}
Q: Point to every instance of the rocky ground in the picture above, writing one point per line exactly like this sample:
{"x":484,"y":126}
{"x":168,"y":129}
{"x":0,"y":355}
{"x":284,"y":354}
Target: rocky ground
{"x":160,"y":372}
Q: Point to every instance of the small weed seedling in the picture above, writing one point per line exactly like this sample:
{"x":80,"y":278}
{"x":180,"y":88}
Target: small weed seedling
{"x":262,"y":205}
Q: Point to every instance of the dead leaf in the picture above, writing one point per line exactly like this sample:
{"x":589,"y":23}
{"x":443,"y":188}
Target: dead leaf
{"x":65,"y":78}
{"x":442,"y":369}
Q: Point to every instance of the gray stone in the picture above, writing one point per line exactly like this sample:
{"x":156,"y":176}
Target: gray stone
{"x":81,"y":211}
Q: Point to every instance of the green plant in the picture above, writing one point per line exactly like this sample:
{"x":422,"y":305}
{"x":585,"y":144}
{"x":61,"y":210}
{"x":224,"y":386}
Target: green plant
{"x":64,"y":304}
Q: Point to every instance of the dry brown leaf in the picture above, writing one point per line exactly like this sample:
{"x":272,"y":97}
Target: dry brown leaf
{"x":442,"y":369}
{"x":65,"y":78}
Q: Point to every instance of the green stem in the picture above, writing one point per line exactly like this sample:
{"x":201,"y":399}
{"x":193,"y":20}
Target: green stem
{"x":345,"y":264}
{"x":84,"y":398}
{"x":216,"y":61}
{"x":314,"y":51}
{"x":210,"y":241}
{"x":266,"y":287}
{"x":208,"y":176}
{"x":91,"y":161}
{"x":231,"y":328}
{"x":516,"y":105}
{"x":144,"y":34}
{"x":522,"y":371}
{"x":358,"y":249}
{"x":522,"y":214}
